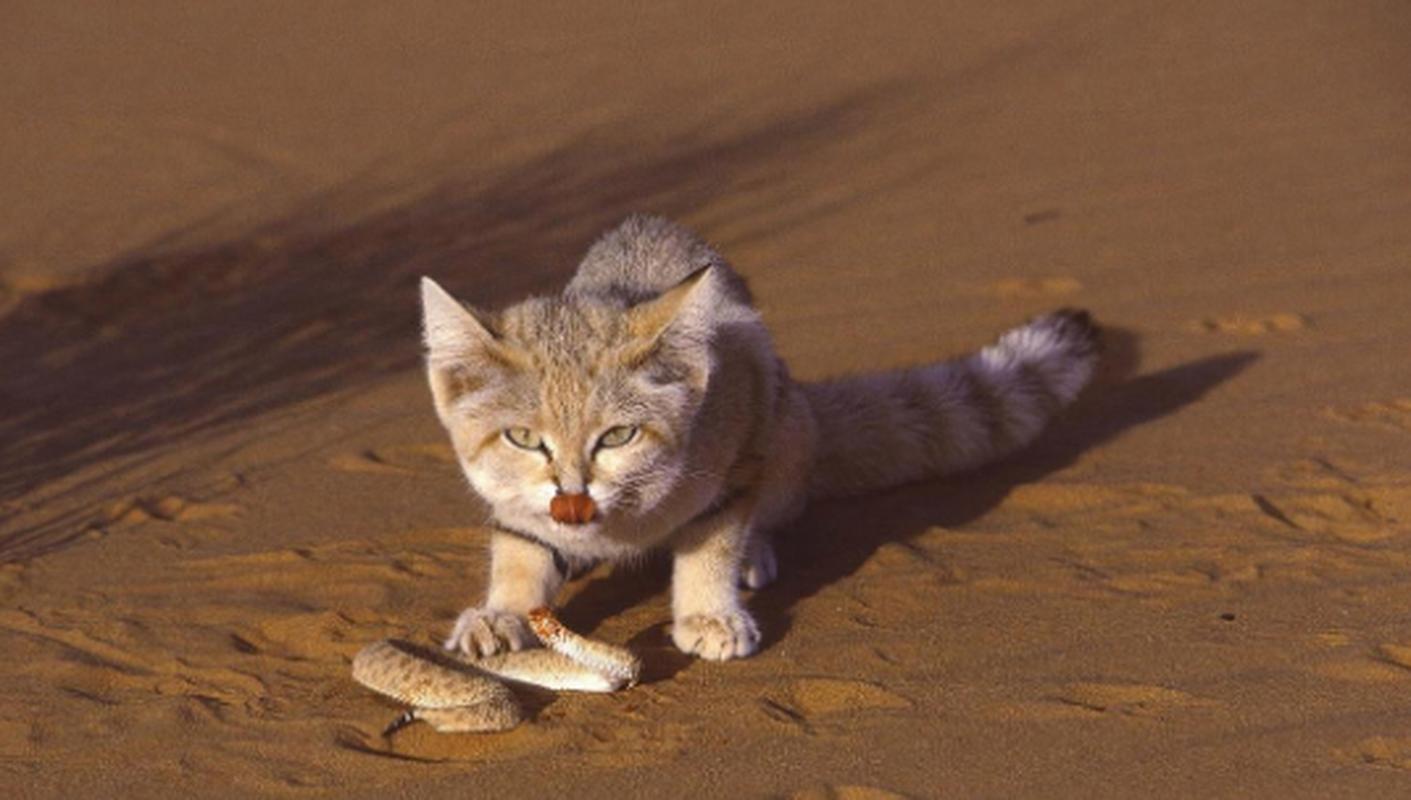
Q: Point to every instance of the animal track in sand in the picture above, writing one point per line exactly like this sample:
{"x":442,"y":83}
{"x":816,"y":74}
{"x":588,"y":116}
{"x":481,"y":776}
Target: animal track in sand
{"x":265,"y":772}
{"x":1129,"y":699}
{"x":1390,"y":662}
{"x":1397,"y":654}
{"x":306,"y":636}
{"x":899,"y":583}
{"x":1360,"y":517}
{"x":104,"y":669}
{"x":820,"y":696}
{"x":165,"y":508}
{"x":1351,"y":502}
{"x":808,"y":698}
{"x":1392,"y":414}
{"x":618,"y":743}
{"x":396,"y":459}
{"x":1339,"y":518}
{"x":1241,"y":325}
{"x":349,"y":575}
{"x":1363,"y":671}
{"x":1357,"y":511}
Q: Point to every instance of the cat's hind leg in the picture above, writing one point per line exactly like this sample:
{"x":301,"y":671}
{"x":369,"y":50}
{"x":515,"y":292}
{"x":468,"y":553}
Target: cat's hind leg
{"x":761,"y":565}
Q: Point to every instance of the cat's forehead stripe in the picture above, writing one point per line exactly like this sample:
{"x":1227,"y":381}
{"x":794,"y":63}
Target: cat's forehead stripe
{"x":570,"y":347}
{"x":563,"y":335}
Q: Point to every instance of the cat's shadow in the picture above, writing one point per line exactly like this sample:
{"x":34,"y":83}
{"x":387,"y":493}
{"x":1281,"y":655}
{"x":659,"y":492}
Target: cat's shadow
{"x":834,"y":538}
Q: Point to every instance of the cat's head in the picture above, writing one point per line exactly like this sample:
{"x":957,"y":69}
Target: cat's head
{"x":576,"y":398}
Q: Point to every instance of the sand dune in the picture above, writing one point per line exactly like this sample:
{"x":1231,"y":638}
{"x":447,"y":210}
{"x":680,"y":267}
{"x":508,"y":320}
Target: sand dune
{"x":222,"y":475}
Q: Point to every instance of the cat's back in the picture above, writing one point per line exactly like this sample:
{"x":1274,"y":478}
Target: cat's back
{"x":646,"y":255}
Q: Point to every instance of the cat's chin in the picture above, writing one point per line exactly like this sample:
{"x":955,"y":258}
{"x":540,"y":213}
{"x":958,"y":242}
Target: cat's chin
{"x":580,"y":530}
{"x":594,"y":540}
{"x":604,"y":538}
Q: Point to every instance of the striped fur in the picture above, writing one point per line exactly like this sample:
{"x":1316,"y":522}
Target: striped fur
{"x":889,"y":428}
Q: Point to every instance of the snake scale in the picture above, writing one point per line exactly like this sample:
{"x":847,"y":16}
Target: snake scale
{"x":464,"y":695}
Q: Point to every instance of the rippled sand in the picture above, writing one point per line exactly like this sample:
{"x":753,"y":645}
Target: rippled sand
{"x":222,"y":476}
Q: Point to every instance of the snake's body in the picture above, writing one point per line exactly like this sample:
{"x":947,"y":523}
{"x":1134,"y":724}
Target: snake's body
{"x":467,"y":695}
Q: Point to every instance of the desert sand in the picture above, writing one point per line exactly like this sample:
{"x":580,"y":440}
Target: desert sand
{"x":221,"y":473}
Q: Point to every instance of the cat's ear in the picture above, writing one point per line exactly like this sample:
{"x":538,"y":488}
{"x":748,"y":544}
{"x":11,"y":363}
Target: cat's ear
{"x":462,"y":350}
{"x":676,"y":329}
{"x":676,"y":307}
{"x":449,"y":329}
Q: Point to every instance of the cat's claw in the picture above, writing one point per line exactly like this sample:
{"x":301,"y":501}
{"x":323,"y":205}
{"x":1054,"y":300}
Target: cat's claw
{"x":716,"y":637}
{"x":483,"y":632}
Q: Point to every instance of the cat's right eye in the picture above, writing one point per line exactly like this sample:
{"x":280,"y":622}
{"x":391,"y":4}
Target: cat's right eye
{"x":617,"y":436}
{"x":524,"y":438}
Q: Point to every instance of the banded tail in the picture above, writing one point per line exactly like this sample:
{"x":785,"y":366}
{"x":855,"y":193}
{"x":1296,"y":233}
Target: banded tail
{"x":890,"y":428}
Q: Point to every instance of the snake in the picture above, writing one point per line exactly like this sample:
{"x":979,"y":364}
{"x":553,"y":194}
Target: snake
{"x":461,"y":694}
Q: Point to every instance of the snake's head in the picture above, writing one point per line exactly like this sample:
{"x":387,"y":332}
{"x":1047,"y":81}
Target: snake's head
{"x":544,"y":624}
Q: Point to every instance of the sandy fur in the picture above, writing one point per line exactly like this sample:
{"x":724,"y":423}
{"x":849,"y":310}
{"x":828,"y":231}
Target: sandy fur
{"x":657,"y":332}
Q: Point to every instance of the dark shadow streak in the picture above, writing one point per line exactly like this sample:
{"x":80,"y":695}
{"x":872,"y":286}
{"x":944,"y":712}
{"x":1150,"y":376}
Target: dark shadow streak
{"x":164,"y":348}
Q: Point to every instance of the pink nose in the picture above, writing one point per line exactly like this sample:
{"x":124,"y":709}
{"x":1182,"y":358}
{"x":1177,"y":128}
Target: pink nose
{"x":572,"y":509}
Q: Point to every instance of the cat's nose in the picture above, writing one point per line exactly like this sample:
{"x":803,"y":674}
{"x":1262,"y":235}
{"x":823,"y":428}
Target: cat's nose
{"x":573,"y":509}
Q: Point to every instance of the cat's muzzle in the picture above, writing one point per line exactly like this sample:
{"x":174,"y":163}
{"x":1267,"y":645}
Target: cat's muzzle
{"x":572,"y":509}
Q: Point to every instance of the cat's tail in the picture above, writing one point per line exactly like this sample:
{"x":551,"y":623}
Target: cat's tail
{"x":889,"y":428}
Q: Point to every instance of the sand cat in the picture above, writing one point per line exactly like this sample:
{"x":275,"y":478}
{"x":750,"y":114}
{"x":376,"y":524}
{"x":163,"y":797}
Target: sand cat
{"x":645,"y":407}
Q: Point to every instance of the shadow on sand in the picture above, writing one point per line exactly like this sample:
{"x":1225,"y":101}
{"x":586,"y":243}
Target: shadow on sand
{"x":835,"y":537}
{"x":161,"y":349}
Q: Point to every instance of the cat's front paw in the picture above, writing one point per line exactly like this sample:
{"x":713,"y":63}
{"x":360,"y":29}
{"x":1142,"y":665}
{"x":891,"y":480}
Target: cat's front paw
{"x":716,"y":637}
{"x":486,"y":631}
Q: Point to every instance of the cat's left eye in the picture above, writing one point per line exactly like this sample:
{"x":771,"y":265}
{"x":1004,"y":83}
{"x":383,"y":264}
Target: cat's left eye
{"x":524,"y":438}
{"x":618,"y":436}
